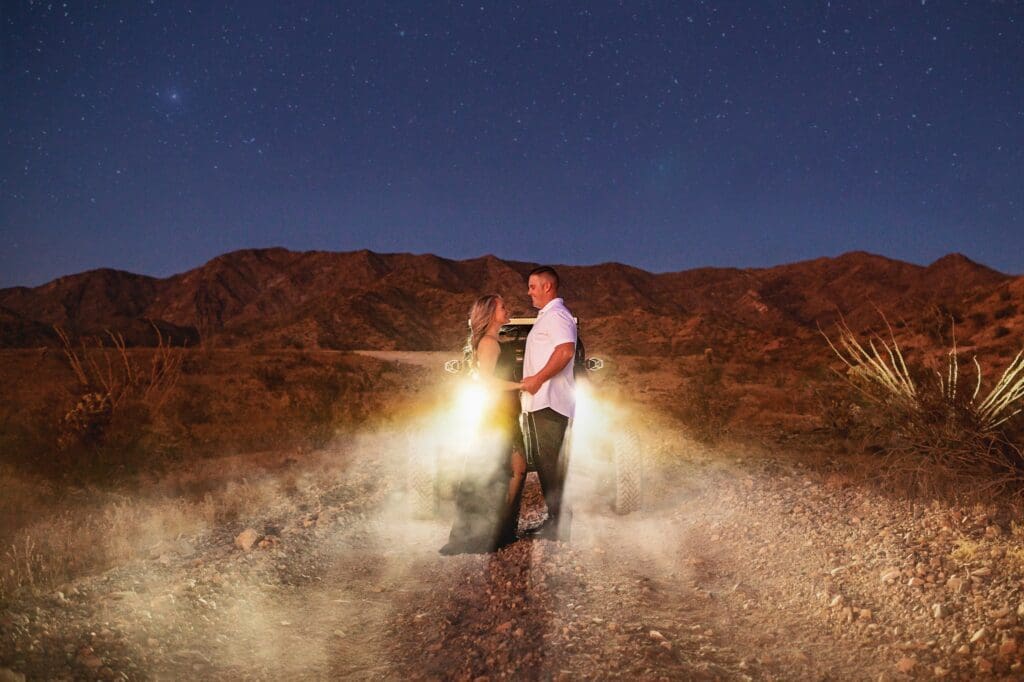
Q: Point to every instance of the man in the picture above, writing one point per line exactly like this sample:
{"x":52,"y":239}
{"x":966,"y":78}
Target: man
{"x":549,"y":395}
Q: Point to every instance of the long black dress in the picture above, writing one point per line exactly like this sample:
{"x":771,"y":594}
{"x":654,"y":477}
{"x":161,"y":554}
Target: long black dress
{"x":484,"y":518}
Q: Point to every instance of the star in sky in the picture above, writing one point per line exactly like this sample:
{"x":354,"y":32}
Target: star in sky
{"x":728,"y":134}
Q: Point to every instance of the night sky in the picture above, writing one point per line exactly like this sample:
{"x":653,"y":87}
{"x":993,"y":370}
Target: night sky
{"x":156,"y":135}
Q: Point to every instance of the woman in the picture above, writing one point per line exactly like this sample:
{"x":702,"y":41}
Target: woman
{"x":487,"y":502}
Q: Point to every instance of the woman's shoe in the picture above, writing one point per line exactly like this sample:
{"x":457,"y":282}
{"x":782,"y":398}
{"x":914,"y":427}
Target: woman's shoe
{"x":451,"y":548}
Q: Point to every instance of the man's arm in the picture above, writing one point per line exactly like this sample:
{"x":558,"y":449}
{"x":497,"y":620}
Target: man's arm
{"x":560,"y":357}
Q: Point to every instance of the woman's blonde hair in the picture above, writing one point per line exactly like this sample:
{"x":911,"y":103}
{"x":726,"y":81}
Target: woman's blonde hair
{"x":480,"y":317}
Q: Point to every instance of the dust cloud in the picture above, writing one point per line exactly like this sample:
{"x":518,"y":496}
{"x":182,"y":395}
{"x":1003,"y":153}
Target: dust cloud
{"x":347,"y":540}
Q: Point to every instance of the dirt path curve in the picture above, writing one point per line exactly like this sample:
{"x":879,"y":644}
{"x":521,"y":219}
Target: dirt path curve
{"x":430,"y":359}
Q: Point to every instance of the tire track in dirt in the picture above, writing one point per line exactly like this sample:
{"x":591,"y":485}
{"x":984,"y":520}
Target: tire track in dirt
{"x":603,"y":606}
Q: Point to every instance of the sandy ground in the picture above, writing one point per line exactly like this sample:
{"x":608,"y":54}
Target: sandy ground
{"x":740,"y":565}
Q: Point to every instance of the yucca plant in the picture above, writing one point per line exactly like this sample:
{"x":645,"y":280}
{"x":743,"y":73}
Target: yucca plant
{"x":928,"y":425}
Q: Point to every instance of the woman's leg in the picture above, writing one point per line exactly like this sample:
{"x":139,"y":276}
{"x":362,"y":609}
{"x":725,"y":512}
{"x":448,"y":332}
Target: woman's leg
{"x":513,"y":498}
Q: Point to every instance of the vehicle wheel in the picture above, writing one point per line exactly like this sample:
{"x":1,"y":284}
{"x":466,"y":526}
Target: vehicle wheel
{"x":421,"y":481}
{"x":628,"y":472}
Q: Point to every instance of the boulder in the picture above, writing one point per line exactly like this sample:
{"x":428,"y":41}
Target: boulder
{"x":246,"y":539}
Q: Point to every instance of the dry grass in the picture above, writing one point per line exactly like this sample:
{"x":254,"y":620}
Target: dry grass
{"x":707,"y":404}
{"x":222,"y":402}
{"x":75,"y":541}
{"x":217,"y":445}
{"x":55,"y":534}
{"x":1014,"y":559}
{"x":966,"y":550}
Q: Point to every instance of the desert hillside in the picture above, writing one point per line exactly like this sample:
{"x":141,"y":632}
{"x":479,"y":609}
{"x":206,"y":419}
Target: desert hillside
{"x":275,"y":298}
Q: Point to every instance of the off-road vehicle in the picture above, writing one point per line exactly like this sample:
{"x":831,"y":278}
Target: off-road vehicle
{"x":603,"y":446}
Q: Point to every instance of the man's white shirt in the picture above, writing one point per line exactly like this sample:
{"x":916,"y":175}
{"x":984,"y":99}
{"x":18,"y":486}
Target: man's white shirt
{"x":554,"y":326}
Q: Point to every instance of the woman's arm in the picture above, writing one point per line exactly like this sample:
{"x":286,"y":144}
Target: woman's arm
{"x":487,"y":353}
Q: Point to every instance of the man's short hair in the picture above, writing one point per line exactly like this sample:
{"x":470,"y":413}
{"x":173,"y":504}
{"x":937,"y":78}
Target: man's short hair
{"x":547,"y":272}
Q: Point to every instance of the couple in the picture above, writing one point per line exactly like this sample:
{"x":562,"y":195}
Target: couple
{"x":531,"y":423}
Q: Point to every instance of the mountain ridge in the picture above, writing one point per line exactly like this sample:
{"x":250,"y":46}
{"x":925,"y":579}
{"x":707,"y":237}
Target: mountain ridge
{"x":275,"y":297}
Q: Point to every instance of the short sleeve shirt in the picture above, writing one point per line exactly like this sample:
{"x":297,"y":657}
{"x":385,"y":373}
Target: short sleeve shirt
{"x":554,"y":326}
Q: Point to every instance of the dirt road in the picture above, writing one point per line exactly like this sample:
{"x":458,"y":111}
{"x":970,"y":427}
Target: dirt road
{"x":737,"y":568}
{"x":430,"y":359}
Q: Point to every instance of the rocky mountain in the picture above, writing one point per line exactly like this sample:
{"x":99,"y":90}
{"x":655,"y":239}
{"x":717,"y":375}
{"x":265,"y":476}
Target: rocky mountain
{"x":275,"y":298}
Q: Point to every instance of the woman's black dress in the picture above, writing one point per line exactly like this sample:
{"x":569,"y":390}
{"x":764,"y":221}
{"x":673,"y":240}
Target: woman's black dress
{"x":484,"y":518}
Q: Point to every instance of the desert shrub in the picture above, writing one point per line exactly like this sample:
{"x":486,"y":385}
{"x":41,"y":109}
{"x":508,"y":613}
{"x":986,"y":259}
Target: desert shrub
{"x":139,"y":437}
{"x":271,"y":377}
{"x":87,"y":421}
{"x":194,"y":407}
{"x":935,"y":432}
{"x":708,"y":406}
{"x":1005,"y":295}
{"x":198,"y":362}
{"x":979,"y":319}
{"x":647,"y":365}
{"x":936,"y":320}
{"x":1000,"y":332}
{"x":748,"y":370}
{"x":840,"y":411}
{"x":112,"y":372}
{"x":27,"y":434}
{"x":117,"y":417}
{"x":318,"y":400}
{"x":1004,"y":312}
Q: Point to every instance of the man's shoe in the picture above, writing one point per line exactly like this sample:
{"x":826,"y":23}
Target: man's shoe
{"x":549,"y":530}
{"x":538,"y":529}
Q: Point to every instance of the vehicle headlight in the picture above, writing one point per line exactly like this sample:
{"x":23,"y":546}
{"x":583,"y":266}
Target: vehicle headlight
{"x":582,"y":393}
{"x":471,"y":401}
{"x":583,"y":398}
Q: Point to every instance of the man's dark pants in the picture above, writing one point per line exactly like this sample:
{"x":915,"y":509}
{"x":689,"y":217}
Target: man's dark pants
{"x":545,"y":433}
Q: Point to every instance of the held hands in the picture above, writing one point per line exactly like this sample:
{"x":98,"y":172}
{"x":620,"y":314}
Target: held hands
{"x":532,"y":384}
